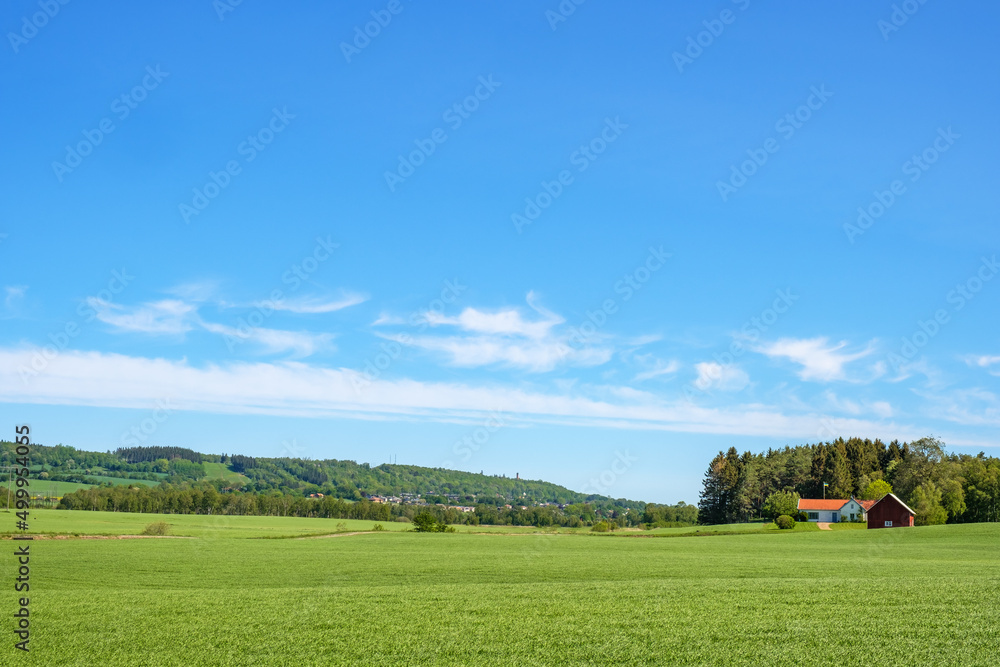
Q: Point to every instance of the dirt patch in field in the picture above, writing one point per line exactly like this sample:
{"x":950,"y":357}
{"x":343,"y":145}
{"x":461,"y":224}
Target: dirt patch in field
{"x":316,"y":537}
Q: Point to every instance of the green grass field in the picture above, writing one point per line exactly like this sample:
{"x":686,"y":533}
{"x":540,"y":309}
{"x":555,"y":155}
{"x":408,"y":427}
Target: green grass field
{"x":843,"y":597}
{"x":221,"y":470}
{"x":59,"y":489}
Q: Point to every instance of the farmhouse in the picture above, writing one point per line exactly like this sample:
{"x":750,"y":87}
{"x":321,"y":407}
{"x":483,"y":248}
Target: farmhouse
{"x":890,"y":512}
{"x":835,"y":510}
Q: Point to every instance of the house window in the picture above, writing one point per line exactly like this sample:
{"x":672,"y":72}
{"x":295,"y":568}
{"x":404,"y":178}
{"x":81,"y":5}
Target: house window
{"x":814,"y":516}
{"x":888,"y":524}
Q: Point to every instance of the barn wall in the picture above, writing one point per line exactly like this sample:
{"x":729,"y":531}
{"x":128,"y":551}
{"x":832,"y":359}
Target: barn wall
{"x":889,"y":510}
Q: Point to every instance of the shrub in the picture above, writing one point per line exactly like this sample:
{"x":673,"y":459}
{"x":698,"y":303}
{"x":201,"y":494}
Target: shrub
{"x":341,"y":526}
{"x":781,"y":502}
{"x":156,"y":528}
{"x":784,"y":522}
{"x":599,"y":527}
{"x":377,"y":527}
{"x":403,"y":519}
{"x":802,"y":516}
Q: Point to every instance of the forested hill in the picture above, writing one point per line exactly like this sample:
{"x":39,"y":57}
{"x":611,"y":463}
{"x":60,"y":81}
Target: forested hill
{"x":940,"y":486}
{"x":340,"y":479}
{"x":352,"y":481}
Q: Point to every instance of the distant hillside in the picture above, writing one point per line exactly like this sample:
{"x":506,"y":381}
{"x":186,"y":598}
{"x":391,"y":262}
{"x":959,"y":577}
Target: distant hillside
{"x":341,"y":479}
{"x":353,"y":481}
{"x":179,"y":480}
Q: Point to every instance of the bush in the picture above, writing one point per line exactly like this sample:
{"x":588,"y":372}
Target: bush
{"x":802,"y":516}
{"x":599,"y":527}
{"x":377,"y":527}
{"x":402,"y":519}
{"x":156,"y":528}
{"x":781,"y":502}
{"x":785,"y":522}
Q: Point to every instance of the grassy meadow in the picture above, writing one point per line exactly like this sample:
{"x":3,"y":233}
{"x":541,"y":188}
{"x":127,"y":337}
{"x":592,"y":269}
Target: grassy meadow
{"x":843,"y":597}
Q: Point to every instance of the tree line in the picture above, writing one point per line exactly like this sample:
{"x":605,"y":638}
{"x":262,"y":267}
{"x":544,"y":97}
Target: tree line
{"x":207,"y":498}
{"x":941,"y":487}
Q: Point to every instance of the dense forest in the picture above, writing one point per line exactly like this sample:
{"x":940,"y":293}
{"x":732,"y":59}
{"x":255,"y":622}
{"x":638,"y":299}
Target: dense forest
{"x":940,"y":487}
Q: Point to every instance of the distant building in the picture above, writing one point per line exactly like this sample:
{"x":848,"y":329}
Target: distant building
{"x":890,"y":512}
{"x":832,"y":510}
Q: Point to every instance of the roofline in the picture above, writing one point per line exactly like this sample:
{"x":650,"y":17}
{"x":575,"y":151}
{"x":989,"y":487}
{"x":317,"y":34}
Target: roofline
{"x":897,"y":500}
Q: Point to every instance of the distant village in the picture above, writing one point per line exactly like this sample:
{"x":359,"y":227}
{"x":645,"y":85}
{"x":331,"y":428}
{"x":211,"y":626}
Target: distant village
{"x":419,"y":500}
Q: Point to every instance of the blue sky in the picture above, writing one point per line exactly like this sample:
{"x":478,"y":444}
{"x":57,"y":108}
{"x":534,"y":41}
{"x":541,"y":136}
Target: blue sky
{"x":590,"y":246}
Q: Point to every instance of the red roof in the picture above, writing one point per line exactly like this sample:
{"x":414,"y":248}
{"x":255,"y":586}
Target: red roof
{"x":867,"y":504}
{"x":818,"y":504}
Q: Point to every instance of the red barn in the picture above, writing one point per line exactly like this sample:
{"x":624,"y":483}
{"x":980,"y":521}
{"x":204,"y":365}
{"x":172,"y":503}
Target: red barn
{"x":890,"y":512}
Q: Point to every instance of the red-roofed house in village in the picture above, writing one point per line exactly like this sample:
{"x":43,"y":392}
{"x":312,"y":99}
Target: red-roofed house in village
{"x":835,"y":510}
{"x":890,"y":512}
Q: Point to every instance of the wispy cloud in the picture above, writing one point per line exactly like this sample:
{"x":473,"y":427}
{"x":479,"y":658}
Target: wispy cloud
{"x":820,"y":360}
{"x":178,"y":317}
{"x":531,"y":355}
{"x":878,"y":408}
{"x":655,"y":368}
{"x":169,"y":316}
{"x":712,"y":375}
{"x":275,"y":341}
{"x":315,"y":306}
{"x":13,"y":296}
{"x":990,"y":362}
{"x":507,"y":337}
{"x":297,"y":389}
{"x":508,"y":322}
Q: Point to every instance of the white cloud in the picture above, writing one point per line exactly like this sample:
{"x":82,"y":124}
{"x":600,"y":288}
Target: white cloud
{"x":297,"y":389}
{"x":506,"y":337}
{"x":657,"y":368}
{"x":712,"y":375}
{"x":313,"y":305}
{"x":882,"y":409}
{"x":820,"y":360}
{"x":879,"y":408}
{"x":533,"y":355}
{"x":169,"y":316}
{"x":195,"y":291}
{"x":509,"y":322}
{"x":13,"y":295}
{"x":274,"y":341}
{"x":985,"y":361}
